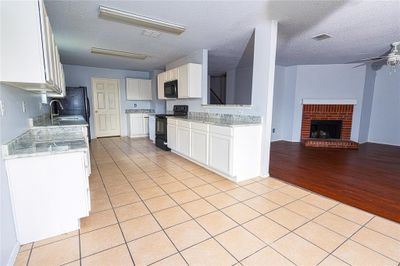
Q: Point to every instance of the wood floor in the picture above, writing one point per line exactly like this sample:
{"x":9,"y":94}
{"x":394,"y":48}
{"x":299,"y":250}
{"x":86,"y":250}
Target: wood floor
{"x":368,"y":178}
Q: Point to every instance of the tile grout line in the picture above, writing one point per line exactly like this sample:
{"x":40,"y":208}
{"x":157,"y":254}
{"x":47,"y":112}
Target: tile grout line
{"x":115,"y":215}
{"x":241,"y":225}
{"x":147,"y":209}
{"x":194,"y":219}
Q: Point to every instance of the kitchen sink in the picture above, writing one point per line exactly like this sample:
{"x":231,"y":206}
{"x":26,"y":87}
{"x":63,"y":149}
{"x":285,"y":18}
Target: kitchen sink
{"x":68,"y":118}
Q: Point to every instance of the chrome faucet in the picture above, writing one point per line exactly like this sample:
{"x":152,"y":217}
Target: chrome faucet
{"x":51,"y":109}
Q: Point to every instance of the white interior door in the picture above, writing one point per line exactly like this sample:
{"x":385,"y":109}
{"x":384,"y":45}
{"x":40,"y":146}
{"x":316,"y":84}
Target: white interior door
{"x":106,"y":107}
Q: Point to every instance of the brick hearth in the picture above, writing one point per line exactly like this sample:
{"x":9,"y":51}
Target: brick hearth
{"x":342,"y":112}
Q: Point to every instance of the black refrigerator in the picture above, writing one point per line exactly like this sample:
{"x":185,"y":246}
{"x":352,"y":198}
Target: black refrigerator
{"x":75,"y":102}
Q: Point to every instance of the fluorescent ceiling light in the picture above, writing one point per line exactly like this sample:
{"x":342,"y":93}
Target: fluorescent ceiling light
{"x":140,"y":20}
{"x":101,"y":51}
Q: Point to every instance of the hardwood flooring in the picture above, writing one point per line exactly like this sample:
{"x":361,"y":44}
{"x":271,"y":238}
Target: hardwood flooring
{"x":367,"y":178}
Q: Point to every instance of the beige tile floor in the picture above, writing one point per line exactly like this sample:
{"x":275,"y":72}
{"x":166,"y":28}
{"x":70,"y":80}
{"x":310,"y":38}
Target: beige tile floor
{"x":154,"y":207}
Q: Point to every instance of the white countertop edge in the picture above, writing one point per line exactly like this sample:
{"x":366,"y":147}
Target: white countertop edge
{"x":46,"y":153}
{"x":214,"y":124}
{"x":329,"y":101}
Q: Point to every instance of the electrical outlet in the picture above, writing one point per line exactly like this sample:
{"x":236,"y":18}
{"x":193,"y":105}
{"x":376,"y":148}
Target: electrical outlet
{"x":134,"y":105}
{"x":273,"y":130}
{"x":23,"y":107}
{"x":2,"y":108}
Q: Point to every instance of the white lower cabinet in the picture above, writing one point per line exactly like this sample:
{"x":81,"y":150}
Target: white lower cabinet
{"x":220,"y":153}
{"x":138,"y":125}
{"x":171,"y":134}
{"x":234,"y":152}
{"x":152,"y":128}
{"x":183,"y":140}
{"x":49,"y":194}
{"x":199,"y":146}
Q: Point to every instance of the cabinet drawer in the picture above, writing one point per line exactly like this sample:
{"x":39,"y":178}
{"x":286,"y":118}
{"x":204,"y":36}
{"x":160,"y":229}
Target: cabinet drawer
{"x":226,"y":131}
{"x":181,"y":123}
{"x":199,"y":126}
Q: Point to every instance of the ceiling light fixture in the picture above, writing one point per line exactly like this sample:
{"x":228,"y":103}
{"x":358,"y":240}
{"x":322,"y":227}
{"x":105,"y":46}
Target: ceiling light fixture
{"x":321,"y":37}
{"x":101,"y":51}
{"x":138,"y":20}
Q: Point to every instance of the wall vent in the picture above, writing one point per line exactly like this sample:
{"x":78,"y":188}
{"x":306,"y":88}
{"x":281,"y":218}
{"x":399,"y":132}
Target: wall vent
{"x":321,"y":37}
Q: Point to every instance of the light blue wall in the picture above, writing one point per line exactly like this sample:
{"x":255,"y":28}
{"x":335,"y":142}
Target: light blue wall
{"x":366,"y":109}
{"x":376,"y":116}
{"x":385,"y":115}
{"x":318,"y":82}
{"x":13,"y":123}
{"x":81,"y":76}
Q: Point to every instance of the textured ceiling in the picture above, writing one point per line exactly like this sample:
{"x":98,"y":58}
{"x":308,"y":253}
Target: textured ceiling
{"x":359,"y":30}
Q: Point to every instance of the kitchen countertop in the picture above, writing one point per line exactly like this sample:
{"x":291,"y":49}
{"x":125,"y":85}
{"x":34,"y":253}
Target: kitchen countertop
{"x":47,"y":139}
{"x":62,"y":121}
{"x":216,"y":121}
{"x":139,"y":111}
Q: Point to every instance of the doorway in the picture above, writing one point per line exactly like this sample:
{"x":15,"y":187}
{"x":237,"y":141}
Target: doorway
{"x":106,"y":107}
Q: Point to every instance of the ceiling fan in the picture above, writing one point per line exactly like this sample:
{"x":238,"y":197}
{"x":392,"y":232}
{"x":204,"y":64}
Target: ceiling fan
{"x":392,"y":58}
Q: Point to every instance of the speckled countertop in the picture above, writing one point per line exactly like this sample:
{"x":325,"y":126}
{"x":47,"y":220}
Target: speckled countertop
{"x":139,"y":111}
{"x":226,"y":120}
{"x":216,"y":122}
{"x":40,"y":141}
{"x":62,"y":121}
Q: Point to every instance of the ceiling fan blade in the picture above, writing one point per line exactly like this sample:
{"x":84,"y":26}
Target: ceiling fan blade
{"x":359,"y":65}
{"x":367,"y":59}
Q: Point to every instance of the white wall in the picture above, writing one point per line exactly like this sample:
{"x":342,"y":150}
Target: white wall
{"x":317,"y":82}
{"x":385,"y":115}
{"x":81,"y":76}
{"x":13,"y":123}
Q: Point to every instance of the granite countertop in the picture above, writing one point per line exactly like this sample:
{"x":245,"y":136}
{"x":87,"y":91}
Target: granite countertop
{"x":217,"y":121}
{"x":139,"y":111}
{"x":45,"y":141}
{"x":62,"y":121}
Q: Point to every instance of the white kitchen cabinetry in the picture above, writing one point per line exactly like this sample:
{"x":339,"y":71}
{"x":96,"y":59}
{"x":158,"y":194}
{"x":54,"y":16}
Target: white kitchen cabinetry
{"x":138,"y":125}
{"x":160,"y":85}
{"x":183,"y":137}
{"x":220,"y":149}
{"x":199,"y":142}
{"x":138,"y":89}
{"x":189,"y":81}
{"x":231,"y":151}
{"x":34,"y":64}
{"x":171,"y":133}
{"x":49,"y":194}
{"x":171,"y":74}
{"x":152,"y":128}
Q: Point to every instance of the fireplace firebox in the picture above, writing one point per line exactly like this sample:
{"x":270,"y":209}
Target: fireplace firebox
{"x":326,"y":129}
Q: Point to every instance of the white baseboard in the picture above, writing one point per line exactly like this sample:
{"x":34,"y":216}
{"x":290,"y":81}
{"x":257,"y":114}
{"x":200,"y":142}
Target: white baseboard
{"x":13,"y":255}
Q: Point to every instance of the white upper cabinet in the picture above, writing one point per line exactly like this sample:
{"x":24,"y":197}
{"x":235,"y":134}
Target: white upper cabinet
{"x":160,"y":85}
{"x":171,"y":74}
{"x":138,"y":89}
{"x":189,"y":81}
{"x":29,"y":56}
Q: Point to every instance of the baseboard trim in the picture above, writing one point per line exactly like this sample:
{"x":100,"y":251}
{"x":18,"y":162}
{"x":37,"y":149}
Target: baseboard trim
{"x":13,"y":255}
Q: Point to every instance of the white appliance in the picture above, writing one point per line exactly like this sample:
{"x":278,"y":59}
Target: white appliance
{"x":152,"y":127}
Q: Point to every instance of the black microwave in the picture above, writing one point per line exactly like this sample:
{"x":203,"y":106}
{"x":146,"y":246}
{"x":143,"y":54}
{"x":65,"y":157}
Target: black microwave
{"x":171,"y":89}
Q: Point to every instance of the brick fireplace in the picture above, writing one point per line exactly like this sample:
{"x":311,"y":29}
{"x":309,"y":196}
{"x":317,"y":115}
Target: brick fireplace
{"x":327,"y":125}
